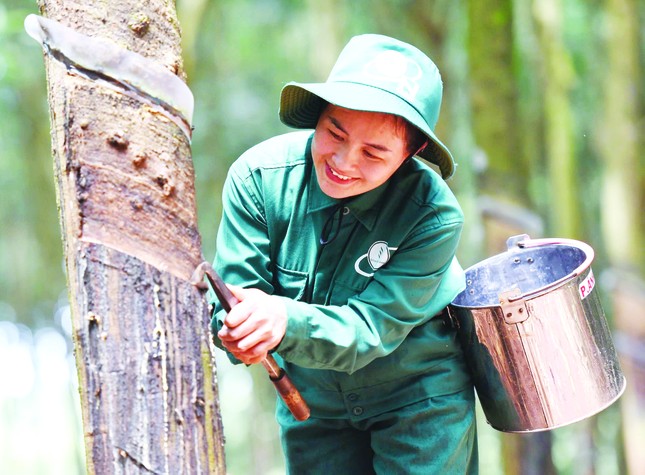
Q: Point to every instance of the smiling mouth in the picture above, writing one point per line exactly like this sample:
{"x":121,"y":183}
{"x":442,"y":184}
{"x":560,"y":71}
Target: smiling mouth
{"x":342,"y":177}
{"x":337,"y":176}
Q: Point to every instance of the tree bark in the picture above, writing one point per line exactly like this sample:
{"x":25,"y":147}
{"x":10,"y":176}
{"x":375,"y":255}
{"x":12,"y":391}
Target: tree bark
{"x":125,"y":190}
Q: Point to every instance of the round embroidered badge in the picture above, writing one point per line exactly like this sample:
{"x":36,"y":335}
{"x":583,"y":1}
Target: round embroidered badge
{"x":378,"y":254}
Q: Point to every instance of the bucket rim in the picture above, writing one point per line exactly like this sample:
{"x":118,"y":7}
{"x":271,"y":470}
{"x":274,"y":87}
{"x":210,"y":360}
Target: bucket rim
{"x":523,"y":241}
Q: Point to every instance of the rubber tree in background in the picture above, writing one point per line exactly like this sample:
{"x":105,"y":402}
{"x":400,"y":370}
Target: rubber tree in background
{"x":618,"y":137}
{"x":120,"y":129}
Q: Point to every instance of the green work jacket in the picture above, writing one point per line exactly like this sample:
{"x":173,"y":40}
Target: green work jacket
{"x":363,"y":334}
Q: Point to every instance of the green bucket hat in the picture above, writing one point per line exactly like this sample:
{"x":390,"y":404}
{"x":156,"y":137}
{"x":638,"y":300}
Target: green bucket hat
{"x":375,"y":73}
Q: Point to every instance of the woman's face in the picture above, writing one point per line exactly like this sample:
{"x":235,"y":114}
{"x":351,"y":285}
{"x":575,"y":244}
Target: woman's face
{"x":355,"y":152}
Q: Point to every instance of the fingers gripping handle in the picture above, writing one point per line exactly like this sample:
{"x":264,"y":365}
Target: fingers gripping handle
{"x":286,"y":389}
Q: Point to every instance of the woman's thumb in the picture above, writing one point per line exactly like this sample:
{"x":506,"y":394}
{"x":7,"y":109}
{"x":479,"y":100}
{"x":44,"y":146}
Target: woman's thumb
{"x":239,"y":292}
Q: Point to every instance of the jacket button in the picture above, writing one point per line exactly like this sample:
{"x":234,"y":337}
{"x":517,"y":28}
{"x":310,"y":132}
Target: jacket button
{"x":352,"y":396}
{"x":357,"y":411}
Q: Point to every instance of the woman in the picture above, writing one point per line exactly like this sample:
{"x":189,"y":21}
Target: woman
{"x":340,"y":245}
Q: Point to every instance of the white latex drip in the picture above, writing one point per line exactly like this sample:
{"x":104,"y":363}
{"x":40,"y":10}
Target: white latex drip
{"x":111,"y":60}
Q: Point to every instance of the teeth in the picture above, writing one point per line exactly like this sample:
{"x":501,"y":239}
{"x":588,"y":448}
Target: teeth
{"x":342,"y":177}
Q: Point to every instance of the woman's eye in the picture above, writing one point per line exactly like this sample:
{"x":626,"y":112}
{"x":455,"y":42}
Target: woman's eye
{"x":334,"y":135}
{"x":371,"y":156}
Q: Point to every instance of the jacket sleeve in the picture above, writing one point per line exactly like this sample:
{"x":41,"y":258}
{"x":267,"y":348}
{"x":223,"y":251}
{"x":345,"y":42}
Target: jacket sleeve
{"x":420,"y":279}
{"x":243,"y":246}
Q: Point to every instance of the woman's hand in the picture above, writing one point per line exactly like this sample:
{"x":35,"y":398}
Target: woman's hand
{"x":254,"y":326}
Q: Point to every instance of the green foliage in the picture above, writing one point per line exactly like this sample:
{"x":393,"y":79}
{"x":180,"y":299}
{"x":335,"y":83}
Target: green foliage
{"x":30,"y":250}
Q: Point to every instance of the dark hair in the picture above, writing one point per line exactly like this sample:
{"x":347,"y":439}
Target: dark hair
{"x":415,"y":140}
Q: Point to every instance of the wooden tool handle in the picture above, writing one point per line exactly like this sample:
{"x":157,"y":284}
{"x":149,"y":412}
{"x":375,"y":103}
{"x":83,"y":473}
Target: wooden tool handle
{"x":286,"y":389}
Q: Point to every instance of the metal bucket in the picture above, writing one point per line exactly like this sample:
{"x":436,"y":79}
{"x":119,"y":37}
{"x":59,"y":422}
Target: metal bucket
{"x":535,"y":336}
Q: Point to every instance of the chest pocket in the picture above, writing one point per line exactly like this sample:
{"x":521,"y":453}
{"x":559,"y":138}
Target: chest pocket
{"x":290,"y":283}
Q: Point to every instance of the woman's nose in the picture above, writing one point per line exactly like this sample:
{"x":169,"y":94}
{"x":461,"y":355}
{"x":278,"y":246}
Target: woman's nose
{"x":346,"y":158}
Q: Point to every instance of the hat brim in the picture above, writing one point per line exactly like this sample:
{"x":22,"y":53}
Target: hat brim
{"x":301,"y":105}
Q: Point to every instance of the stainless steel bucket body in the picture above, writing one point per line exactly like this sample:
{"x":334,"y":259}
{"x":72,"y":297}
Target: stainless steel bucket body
{"x":535,"y":336}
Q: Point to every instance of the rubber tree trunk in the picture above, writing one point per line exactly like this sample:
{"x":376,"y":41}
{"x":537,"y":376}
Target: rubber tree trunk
{"x":125,"y":190}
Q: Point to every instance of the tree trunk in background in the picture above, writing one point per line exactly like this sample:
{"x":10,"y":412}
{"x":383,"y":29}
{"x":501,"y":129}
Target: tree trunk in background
{"x":494,"y":97}
{"x":458,"y":112}
{"x":324,"y":20}
{"x":33,"y":256}
{"x":619,"y":140}
{"x":529,"y":127}
{"x":125,"y":188}
{"x":563,"y":216}
{"x":497,"y":131}
{"x":618,"y":135}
